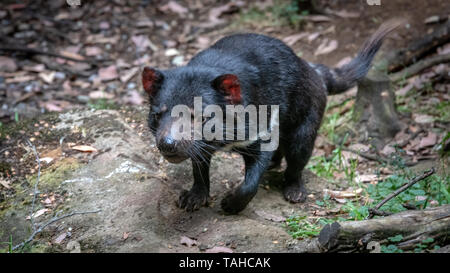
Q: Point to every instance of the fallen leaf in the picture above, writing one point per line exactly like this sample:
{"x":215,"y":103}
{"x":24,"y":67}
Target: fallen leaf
{"x":344,"y":13}
{"x":326,"y":47}
{"x":388,"y":150}
{"x":84,"y":148}
{"x":133,"y":97}
{"x":422,"y":118}
{"x":219,"y":249}
{"x":317,"y":18}
{"x":47,"y":77}
{"x":108,"y":73}
{"x":55,"y":105}
{"x":171,"y":52}
{"x":34,"y":68}
{"x":7,"y":64}
{"x":125,"y":235}
{"x":215,"y":13}
{"x":20,"y":79}
{"x":93,"y":51}
{"x":432,"y":19}
{"x":292,"y":39}
{"x":72,"y":55}
{"x":344,"y":61}
{"x":429,"y":140}
{"x":129,"y":74}
{"x":174,"y":7}
{"x":60,"y":238}
{"x":342,"y":194}
{"x":188,"y":241}
{"x":404,"y":90}
{"x":38,"y":213}
{"x":142,"y":42}
{"x":5,"y":184}
{"x":364,"y":178}
{"x":100,"y":95}
{"x":313,"y":36}
{"x":46,"y":159}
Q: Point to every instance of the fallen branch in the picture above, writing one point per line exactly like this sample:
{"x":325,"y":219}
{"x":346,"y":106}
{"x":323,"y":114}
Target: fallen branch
{"x":35,"y":192}
{"x":418,"y":48}
{"x":416,"y":179}
{"x":52,"y":54}
{"x":51,"y":221}
{"x":414,"y":226}
{"x":37,"y":230}
{"x":419,"y":67}
{"x":377,"y":158}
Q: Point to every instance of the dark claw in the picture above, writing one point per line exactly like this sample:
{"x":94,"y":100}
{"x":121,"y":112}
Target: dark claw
{"x":192,"y":200}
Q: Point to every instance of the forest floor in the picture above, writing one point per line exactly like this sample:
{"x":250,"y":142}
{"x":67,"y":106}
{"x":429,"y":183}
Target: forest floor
{"x":95,"y":101}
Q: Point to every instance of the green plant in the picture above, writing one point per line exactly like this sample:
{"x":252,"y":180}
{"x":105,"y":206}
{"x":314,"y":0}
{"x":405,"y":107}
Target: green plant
{"x":101,"y":104}
{"x":10,"y":244}
{"x":299,"y":227}
{"x":356,"y":211}
{"x":420,"y":194}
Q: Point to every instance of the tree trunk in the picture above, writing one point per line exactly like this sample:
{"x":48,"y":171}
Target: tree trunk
{"x":374,"y":112}
{"x":414,"y":226}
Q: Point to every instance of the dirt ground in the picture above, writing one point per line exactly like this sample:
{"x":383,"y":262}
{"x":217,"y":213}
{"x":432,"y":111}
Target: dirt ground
{"x":134,"y":188}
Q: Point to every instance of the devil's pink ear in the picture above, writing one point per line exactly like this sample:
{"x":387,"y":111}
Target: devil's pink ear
{"x":229,"y":85}
{"x":151,"y":80}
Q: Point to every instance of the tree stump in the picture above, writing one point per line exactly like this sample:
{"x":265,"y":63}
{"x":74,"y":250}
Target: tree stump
{"x":374,"y":114}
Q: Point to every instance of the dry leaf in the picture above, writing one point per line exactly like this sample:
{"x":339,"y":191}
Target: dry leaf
{"x":292,"y":39}
{"x":219,"y":249}
{"x":429,"y":140}
{"x":188,"y":241}
{"x":326,"y":47}
{"x":46,"y":159}
{"x":60,"y":238}
{"x":422,"y":119}
{"x":38,"y":213}
{"x":174,"y":7}
{"x":5,"y":184}
{"x":342,"y":194}
{"x":129,"y":74}
{"x":47,"y":77}
{"x":100,"y":95}
{"x":108,"y":73}
{"x":93,"y":51}
{"x":7,"y":64}
{"x":84,"y":148}
{"x":72,"y":55}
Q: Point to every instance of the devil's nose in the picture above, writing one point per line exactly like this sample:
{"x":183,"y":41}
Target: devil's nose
{"x":167,"y":145}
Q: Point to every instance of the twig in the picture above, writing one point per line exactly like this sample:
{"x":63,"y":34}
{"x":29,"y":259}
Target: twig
{"x":416,"y":179}
{"x":53,"y":220}
{"x":419,"y":66}
{"x":376,"y":158}
{"x":37,"y":230}
{"x":41,"y":52}
{"x":35,"y":193}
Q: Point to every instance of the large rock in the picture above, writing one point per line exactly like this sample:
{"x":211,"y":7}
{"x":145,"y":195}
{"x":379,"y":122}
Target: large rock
{"x":136,"y":190}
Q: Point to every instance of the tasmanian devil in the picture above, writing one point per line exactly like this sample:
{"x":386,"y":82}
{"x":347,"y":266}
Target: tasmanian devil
{"x":250,"y":69}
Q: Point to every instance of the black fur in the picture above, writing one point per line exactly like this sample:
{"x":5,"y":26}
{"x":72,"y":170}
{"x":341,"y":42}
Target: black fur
{"x":269,"y":73}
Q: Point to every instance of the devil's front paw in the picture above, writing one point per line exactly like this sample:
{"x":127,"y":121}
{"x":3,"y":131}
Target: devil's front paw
{"x":192,"y":200}
{"x":234,"y":203}
{"x":295,"y":193}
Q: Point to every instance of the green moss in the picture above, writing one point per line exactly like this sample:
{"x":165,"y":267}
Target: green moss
{"x":52,"y":177}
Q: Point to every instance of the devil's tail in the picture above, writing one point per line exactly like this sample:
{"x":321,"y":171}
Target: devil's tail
{"x":339,"y":80}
